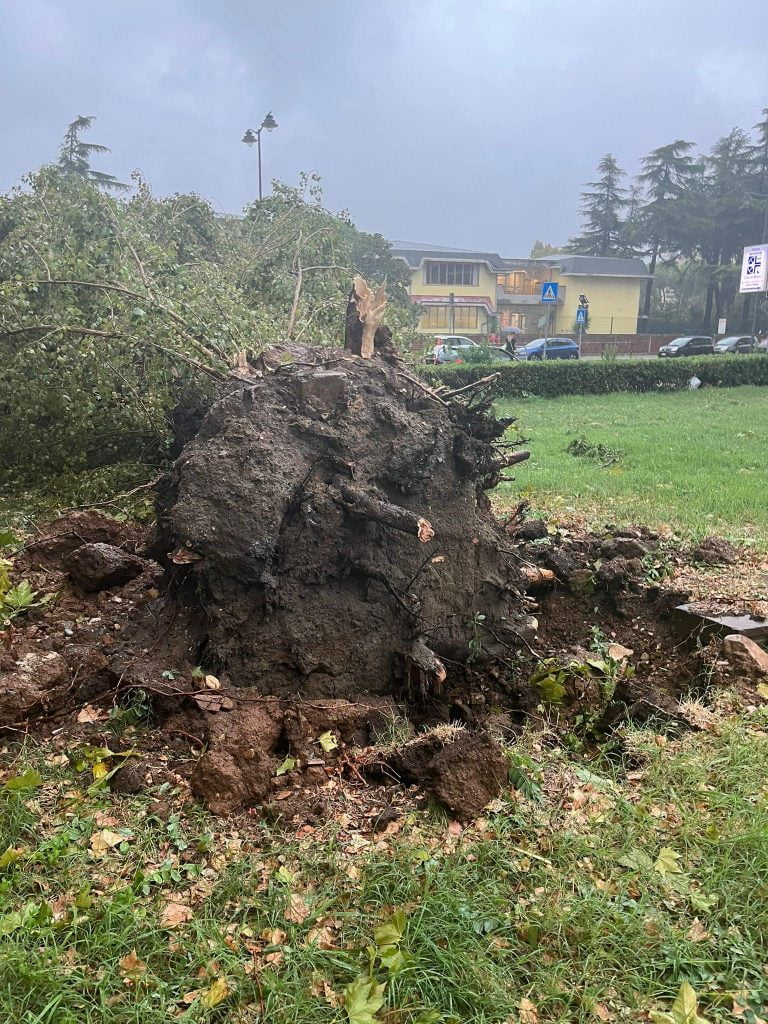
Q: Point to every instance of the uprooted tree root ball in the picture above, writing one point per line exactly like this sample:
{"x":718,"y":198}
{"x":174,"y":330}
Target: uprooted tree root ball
{"x":325,"y":571}
{"x":327,"y":533}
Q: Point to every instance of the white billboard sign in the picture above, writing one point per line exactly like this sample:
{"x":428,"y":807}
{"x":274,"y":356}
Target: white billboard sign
{"x":754,"y":269}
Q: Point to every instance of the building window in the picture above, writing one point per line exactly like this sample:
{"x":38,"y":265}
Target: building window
{"x":508,"y":319}
{"x":466,"y":318}
{"x":439,"y":318}
{"x":519,"y":283}
{"x":452,"y":273}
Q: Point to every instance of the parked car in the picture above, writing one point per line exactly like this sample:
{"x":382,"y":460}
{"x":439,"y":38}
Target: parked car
{"x":693,"y":345}
{"x":442,"y":341}
{"x":453,"y":348}
{"x":549,"y":348}
{"x":736,"y":343}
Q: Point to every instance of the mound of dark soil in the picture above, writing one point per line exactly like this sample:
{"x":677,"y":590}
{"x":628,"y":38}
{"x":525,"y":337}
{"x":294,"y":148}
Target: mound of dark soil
{"x":715,"y":551}
{"x":328,"y":534}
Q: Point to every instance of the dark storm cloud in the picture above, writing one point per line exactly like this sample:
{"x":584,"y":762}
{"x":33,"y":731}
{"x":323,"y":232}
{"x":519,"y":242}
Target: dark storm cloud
{"x":465,"y":123}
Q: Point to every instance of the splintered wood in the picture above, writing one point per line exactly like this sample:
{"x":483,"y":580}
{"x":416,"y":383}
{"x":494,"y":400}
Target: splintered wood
{"x":368,"y":308}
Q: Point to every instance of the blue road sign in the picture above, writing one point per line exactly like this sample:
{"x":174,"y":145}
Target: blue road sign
{"x":549,"y":292}
{"x":581,"y":315}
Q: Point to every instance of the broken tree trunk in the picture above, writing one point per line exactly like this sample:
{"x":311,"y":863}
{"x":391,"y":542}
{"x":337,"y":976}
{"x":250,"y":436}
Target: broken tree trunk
{"x":365,"y":311}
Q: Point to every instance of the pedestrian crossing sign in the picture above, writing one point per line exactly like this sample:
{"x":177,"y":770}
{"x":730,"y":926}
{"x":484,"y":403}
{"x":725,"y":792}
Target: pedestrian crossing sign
{"x":549,"y":292}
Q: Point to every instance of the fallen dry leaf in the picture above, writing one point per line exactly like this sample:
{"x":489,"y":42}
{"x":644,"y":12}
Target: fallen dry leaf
{"x":322,"y":936}
{"x":697,"y":932}
{"x":619,"y":652}
{"x":104,"y":820}
{"x":175,"y":914}
{"x":105,"y":840}
{"x":322,"y":990}
{"x":528,"y":1012}
{"x":601,"y":1011}
{"x":90,"y":714}
{"x":216,"y":994}
{"x":131,"y":967}
{"x":297,"y":911}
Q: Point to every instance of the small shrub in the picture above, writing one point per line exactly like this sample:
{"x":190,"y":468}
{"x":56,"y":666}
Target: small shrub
{"x":603,"y":454}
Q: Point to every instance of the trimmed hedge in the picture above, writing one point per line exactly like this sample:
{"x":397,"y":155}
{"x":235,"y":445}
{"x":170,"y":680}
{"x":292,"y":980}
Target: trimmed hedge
{"x":596,"y":377}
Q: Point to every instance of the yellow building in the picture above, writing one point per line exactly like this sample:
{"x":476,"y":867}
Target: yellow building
{"x":613,"y":286}
{"x":455,"y":288}
{"x":473,"y":293}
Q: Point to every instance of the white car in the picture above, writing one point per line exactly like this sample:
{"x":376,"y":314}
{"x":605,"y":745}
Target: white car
{"x":449,"y":341}
{"x":453,"y":348}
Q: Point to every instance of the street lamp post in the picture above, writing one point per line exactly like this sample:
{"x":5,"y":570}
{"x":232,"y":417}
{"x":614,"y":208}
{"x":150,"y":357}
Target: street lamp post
{"x":251,"y":136}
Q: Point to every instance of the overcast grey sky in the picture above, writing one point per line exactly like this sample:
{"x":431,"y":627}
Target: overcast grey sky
{"x":463,"y":122}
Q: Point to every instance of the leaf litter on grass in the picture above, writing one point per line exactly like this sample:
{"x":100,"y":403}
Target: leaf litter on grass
{"x":534,"y":923}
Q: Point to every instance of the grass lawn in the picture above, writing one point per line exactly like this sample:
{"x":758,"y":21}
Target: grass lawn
{"x":592,"y":893}
{"x":696,"y":460}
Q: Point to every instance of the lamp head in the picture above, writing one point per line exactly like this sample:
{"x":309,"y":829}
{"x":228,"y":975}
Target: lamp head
{"x":249,"y":138}
{"x":269,"y":122}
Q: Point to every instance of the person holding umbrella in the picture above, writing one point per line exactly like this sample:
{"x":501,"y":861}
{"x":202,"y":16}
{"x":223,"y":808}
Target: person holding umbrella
{"x":510,"y":344}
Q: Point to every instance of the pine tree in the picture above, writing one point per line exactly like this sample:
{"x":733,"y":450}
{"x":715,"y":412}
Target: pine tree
{"x":75,"y":156}
{"x":667,"y":174}
{"x":726,"y":217}
{"x":602,"y":207}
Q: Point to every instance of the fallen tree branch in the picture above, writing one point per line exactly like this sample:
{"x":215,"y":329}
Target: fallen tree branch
{"x":512,"y":459}
{"x":490,"y":379}
{"x":430,"y":392}
{"x":122,"y":290}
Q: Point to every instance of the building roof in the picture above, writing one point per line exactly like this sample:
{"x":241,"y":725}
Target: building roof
{"x":414,"y":253}
{"x":596,"y":266}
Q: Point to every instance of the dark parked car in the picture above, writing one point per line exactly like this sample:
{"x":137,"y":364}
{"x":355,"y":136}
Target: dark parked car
{"x":736,"y":343}
{"x":549,"y":348}
{"x":695,"y":345}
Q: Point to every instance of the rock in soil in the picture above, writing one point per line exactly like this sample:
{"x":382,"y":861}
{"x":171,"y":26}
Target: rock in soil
{"x":96,"y":567}
{"x":464,"y":770}
{"x":746,"y":657}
